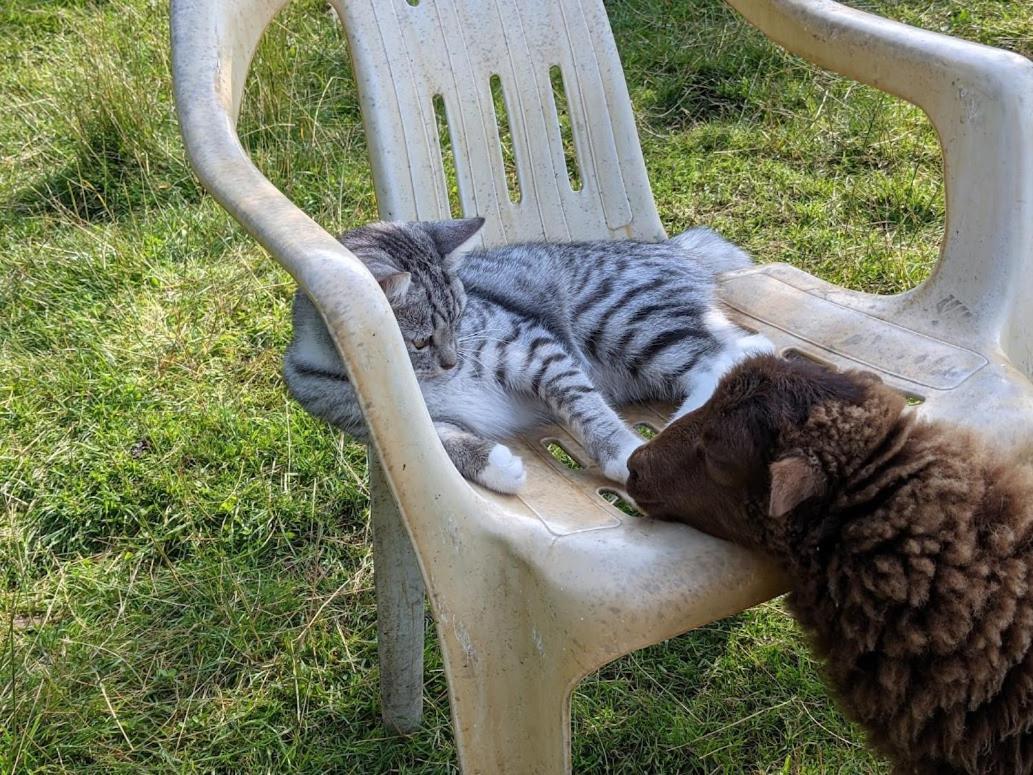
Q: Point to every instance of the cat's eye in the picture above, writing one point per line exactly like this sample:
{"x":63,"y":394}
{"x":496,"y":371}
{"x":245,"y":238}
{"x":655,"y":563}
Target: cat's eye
{"x":419,"y":344}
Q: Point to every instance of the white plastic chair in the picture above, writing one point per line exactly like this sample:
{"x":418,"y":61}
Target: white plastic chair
{"x":531,"y":593}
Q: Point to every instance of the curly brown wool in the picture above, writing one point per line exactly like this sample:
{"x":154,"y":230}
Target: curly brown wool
{"x":909,"y":546}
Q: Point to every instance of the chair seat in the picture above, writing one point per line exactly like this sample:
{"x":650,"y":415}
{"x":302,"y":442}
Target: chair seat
{"x":677,"y":578}
{"x":661,"y":578}
{"x":806,"y":318}
{"x":573,"y":496}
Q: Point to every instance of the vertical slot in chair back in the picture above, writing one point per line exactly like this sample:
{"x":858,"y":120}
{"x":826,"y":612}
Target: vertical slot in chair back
{"x":500,"y":71}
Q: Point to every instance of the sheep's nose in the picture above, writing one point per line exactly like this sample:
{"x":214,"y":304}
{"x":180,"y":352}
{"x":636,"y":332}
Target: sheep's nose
{"x":635,"y":460}
{"x":634,"y":469}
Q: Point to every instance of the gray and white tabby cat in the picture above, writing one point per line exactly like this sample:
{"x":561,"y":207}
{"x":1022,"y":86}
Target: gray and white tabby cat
{"x":502,"y":340}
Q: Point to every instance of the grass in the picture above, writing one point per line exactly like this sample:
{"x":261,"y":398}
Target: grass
{"x":185,"y":574}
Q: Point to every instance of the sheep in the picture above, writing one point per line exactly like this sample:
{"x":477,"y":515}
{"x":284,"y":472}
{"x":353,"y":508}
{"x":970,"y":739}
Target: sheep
{"x":908,"y":546}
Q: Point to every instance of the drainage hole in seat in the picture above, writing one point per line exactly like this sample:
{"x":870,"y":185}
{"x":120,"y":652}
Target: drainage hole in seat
{"x":619,"y":502}
{"x":645,"y":430}
{"x":561,"y":455}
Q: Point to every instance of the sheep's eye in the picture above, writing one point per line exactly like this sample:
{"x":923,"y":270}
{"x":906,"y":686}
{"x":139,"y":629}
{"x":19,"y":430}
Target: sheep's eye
{"x":700,"y":452}
{"x":419,"y":344}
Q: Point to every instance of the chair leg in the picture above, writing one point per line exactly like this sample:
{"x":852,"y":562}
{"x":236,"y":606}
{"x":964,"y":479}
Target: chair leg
{"x":400,"y":620}
{"x":510,"y":704}
{"x":514,"y":718}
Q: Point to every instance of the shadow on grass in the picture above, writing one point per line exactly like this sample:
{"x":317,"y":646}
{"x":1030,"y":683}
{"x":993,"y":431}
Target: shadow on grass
{"x":246,"y":664}
{"x":109,"y":177}
{"x":227,"y":664}
{"x":652,"y":689}
{"x":707,"y":92}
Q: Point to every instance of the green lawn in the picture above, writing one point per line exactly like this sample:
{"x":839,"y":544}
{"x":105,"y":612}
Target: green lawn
{"x":185,"y":575}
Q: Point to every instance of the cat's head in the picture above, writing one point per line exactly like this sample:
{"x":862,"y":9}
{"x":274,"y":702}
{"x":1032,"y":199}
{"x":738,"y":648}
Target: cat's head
{"x":415,"y":264}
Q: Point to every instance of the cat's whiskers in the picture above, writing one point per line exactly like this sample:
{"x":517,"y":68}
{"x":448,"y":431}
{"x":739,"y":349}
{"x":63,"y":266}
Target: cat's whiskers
{"x":465,"y":342}
{"x":471,"y":339}
{"x":482,"y":334}
{"x":471,"y":358}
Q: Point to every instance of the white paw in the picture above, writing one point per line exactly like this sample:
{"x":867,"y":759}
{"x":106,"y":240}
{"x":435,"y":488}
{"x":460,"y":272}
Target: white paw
{"x":702,"y":389}
{"x":616,"y":468}
{"x":706,"y":380}
{"x":504,"y":472}
{"x":755,"y":344}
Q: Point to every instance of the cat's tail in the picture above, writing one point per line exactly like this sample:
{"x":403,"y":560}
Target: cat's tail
{"x":712,"y":250}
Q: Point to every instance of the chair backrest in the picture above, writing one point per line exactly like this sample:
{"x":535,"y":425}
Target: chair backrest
{"x":413,"y":56}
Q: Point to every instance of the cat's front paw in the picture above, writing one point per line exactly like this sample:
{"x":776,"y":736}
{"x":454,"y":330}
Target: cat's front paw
{"x":616,"y":467}
{"x":504,"y":472}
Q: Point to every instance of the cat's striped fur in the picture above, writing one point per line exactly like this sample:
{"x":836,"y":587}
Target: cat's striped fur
{"x":504,"y":339}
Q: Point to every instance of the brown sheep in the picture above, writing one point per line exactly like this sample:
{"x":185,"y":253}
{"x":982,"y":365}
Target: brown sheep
{"x":908,"y":545}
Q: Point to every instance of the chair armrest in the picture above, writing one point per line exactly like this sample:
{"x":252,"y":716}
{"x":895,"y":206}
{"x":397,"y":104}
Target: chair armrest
{"x":213,"y":42}
{"x":910,"y":62}
{"x":980,"y":100}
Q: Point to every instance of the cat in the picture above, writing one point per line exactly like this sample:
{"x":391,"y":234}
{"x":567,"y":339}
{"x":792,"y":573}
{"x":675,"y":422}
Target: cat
{"x":505,"y":339}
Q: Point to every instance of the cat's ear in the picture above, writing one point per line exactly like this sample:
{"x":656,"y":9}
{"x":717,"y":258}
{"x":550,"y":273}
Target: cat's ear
{"x":794,"y":479}
{"x":449,"y":236}
{"x":394,"y":283}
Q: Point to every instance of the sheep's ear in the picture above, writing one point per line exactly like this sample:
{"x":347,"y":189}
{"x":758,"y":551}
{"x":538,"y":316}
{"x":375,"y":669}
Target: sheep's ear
{"x":793,"y":480}
{"x":449,"y":236}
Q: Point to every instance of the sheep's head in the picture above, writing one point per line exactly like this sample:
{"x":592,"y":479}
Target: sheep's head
{"x":775,"y":435}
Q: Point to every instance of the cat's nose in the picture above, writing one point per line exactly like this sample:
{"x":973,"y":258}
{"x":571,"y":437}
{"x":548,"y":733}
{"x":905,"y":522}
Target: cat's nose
{"x":447,"y":358}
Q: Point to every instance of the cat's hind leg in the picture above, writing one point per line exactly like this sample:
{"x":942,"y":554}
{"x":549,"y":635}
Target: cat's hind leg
{"x":700,"y":383}
{"x":486,"y":462}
